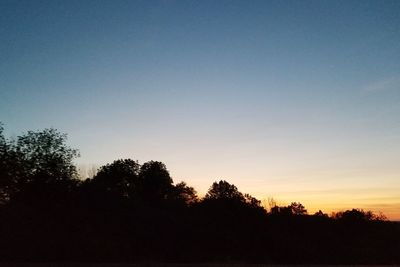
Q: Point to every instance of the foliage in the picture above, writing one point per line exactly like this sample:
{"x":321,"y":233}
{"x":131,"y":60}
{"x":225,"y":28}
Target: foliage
{"x":120,"y":177}
{"x":156,"y":183}
{"x":297,"y":208}
{"x":134,"y":213}
{"x":45,"y":153}
{"x":184,"y":193}
{"x":357,"y":215}
{"x":252,"y":201}
{"x":321,"y":214}
{"x":40,"y":157}
{"x":224,"y":190}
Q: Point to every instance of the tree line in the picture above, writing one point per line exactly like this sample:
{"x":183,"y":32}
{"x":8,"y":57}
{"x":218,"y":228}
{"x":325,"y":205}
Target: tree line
{"x":131,"y":212}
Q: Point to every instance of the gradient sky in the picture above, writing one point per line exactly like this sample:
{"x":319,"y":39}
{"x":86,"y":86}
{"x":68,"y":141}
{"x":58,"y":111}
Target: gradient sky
{"x":296,"y":100}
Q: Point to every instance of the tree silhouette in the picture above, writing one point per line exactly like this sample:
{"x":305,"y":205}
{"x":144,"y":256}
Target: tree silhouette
{"x":359,"y":215}
{"x":10,"y":168}
{"x":184,"y":193}
{"x":156,"y":183}
{"x":35,"y":159}
{"x":320,"y":214}
{"x":297,"y":208}
{"x":46,"y":214}
{"x":120,"y":178}
{"x":283,"y":211}
{"x":224,"y":190}
{"x":252,"y":201}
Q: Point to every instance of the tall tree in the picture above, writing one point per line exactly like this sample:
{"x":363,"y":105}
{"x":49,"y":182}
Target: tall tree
{"x":184,"y":193}
{"x":40,"y":157}
{"x":156,"y":183}
{"x":119,"y":177}
{"x":45,"y":154}
{"x":224,"y":190}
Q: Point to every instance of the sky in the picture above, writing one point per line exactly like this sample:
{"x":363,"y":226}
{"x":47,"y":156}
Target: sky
{"x":295,"y":100}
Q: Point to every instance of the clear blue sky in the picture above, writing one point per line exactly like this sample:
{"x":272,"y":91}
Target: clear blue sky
{"x":298,"y":100}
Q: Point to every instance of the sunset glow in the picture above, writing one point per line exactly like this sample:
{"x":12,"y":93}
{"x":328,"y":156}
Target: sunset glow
{"x":298,"y":101}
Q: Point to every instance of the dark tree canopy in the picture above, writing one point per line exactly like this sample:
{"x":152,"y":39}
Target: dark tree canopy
{"x":297,"y":208}
{"x":120,"y":177}
{"x":149,"y":182}
{"x":156,"y":183}
{"x":45,"y":153}
{"x":8,"y":167}
{"x":134,"y":213}
{"x":40,"y":157}
{"x":186,"y":194}
{"x":224,"y":190}
{"x":321,"y":214}
{"x":358,"y":215}
{"x":252,"y":201}
{"x":2,"y":138}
